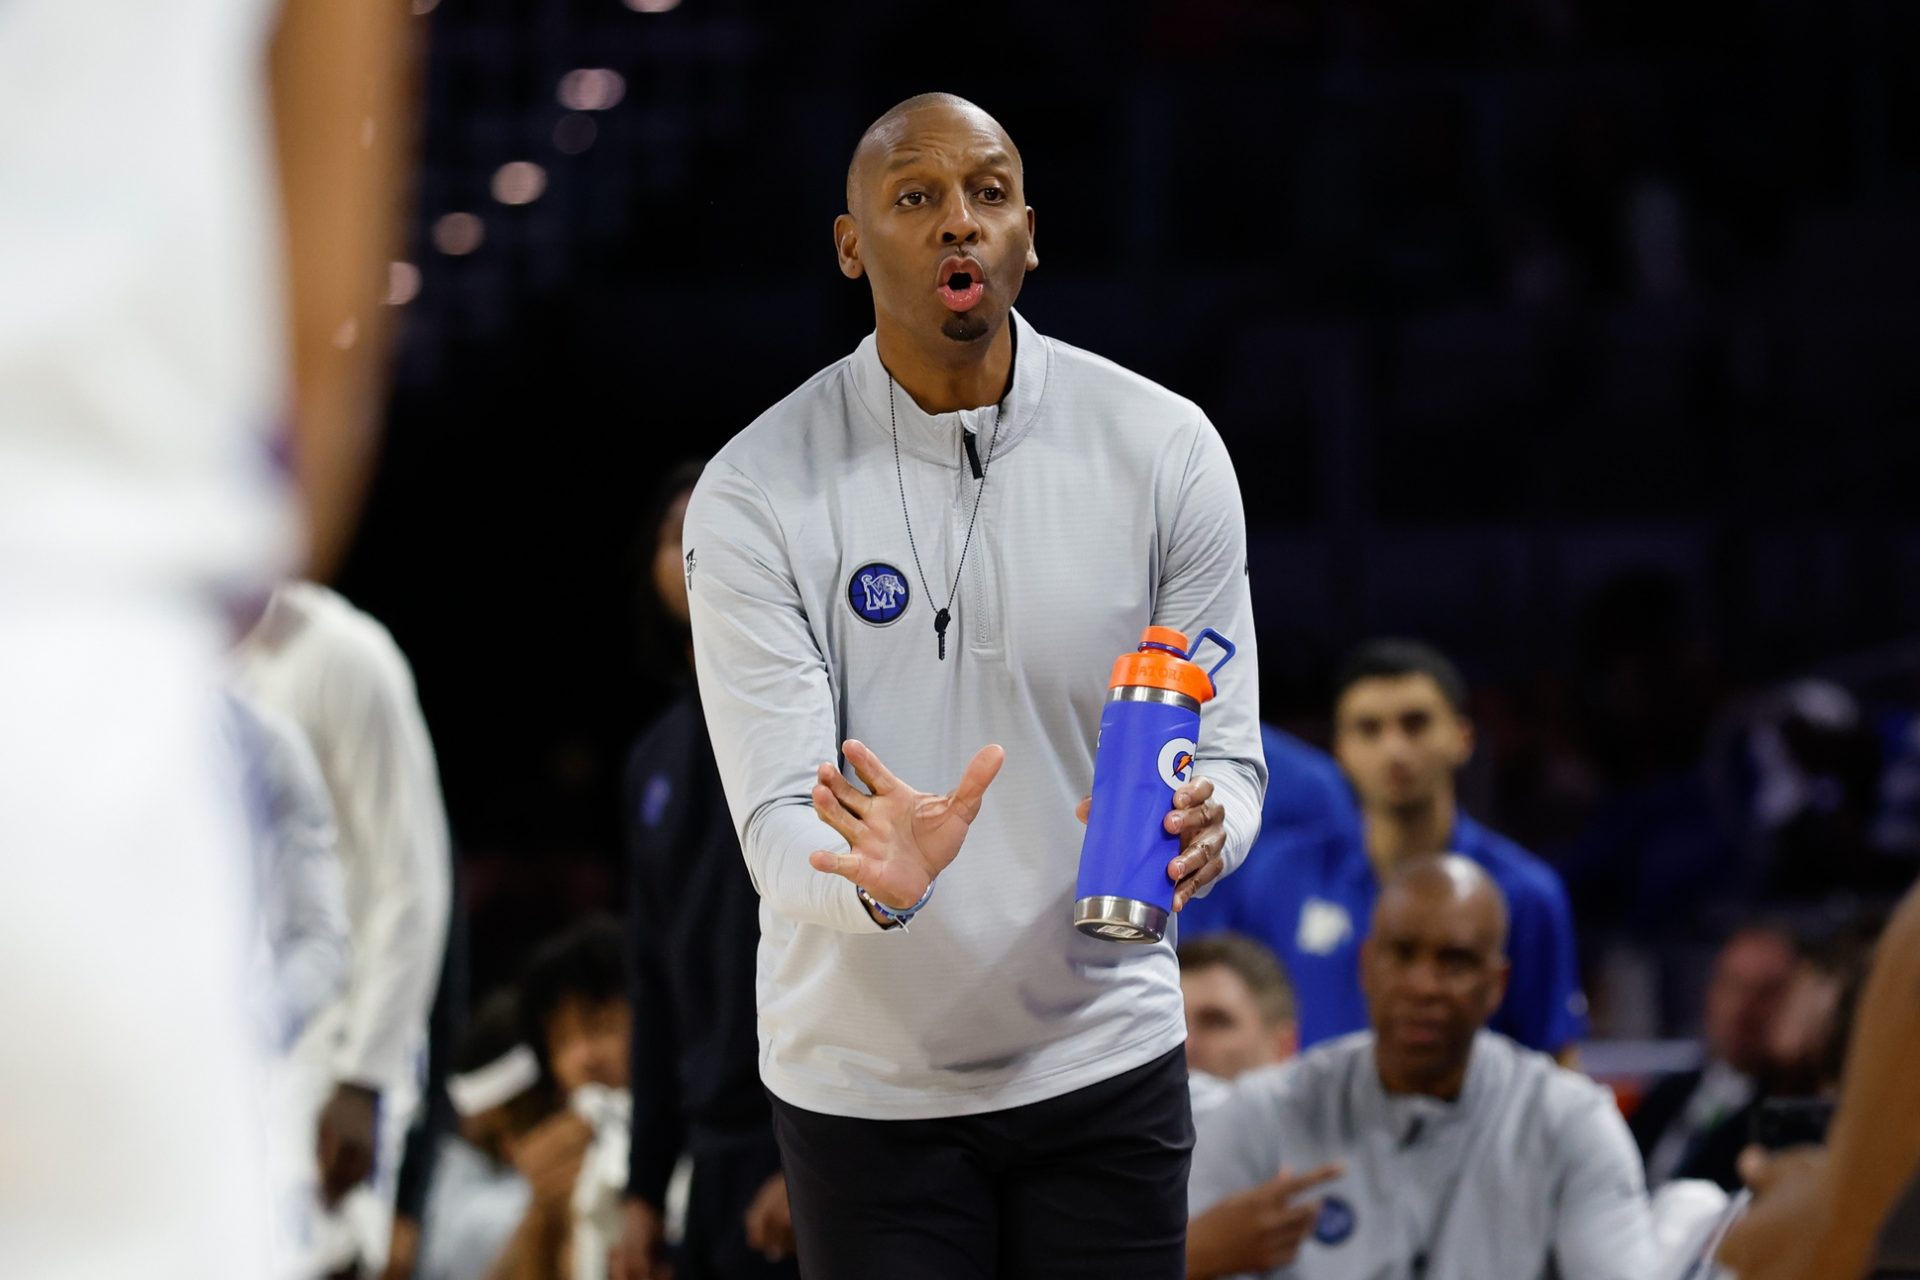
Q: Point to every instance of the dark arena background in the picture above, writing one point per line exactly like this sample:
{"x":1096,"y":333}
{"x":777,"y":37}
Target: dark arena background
{"x":1576,"y":337}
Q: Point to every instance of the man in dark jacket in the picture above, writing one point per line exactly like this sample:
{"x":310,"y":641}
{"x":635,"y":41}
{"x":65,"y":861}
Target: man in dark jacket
{"x":694,"y":928}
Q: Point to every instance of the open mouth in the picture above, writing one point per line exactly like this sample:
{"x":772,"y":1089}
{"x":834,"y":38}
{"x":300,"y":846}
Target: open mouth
{"x":961,"y":283}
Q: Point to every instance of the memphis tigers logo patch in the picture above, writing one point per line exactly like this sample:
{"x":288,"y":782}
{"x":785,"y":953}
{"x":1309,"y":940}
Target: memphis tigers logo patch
{"x":1336,"y":1221}
{"x":878,"y":593}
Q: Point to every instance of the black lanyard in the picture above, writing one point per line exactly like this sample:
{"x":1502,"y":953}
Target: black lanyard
{"x":1423,"y":1257}
{"x":945,"y":612}
{"x":893,"y":425}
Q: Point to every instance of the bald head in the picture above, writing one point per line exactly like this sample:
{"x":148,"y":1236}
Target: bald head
{"x":1449,"y":883}
{"x":891,"y":128}
{"x":938,"y":224}
{"x":1434,"y":970}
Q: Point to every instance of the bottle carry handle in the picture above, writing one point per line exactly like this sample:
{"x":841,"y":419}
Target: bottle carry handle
{"x":1219,"y":640}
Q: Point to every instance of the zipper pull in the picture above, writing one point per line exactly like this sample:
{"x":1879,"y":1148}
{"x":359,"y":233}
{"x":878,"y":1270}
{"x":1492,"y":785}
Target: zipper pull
{"x":973,"y":453}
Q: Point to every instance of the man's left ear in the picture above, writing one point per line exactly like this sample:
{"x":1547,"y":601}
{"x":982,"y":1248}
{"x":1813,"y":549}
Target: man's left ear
{"x":846,"y":246}
{"x":1497,"y":993}
{"x":1464,"y":751}
{"x":1033,"y":254}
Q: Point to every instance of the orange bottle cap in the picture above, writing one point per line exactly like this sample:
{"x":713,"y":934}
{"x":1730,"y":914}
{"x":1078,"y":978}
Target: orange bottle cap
{"x":1156,"y":668}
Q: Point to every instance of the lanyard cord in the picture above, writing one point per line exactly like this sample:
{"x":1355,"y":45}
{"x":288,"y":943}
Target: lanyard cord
{"x":945,"y":614}
{"x":1424,"y":1258}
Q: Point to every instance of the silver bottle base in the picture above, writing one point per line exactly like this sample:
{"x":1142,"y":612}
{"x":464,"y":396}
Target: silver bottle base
{"x":1120,"y":919}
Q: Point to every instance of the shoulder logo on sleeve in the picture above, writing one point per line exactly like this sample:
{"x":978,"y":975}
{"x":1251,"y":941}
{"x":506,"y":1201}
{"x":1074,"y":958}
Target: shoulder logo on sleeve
{"x":653,"y":800}
{"x":878,"y":593}
{"x":1323,"y":927}
{"x":690,"y":567}
{"x":1176,"y":762}
{"x":1336,"y":1221}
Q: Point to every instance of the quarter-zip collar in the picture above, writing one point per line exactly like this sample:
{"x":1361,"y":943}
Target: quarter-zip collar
{"x":1418,"y":1114}
{"x":935,"y":437}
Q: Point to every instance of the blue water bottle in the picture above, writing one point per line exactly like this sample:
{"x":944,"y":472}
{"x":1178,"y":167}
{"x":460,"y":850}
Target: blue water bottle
{"x":1149,"y":734}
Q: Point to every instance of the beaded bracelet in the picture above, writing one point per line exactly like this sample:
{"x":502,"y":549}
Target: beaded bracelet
{"x":895,"y":919}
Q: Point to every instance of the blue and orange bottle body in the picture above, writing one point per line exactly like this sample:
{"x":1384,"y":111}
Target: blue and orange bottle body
{"x":1149,"y":737}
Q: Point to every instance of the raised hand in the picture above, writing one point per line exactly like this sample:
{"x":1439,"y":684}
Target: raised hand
{"x":1257,"y":1230}
{"x":898,"y":839}
{"x":549,"y":1158}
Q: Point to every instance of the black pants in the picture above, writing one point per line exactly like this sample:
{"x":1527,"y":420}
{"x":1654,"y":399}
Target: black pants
{"x":1091,"y":1184}
{"x":727,"y":1173}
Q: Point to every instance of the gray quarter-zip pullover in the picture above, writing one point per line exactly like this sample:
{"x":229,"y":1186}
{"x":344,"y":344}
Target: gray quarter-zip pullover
{"x":1529,"y":1173}
{"x":1109,"y":505}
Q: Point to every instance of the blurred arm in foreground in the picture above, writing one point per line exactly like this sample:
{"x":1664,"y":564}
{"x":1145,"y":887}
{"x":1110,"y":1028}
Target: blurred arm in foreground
{"x":343,"y":88}
{"x":1818,"y":1211}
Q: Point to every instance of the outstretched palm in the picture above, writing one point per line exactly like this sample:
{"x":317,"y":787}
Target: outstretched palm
{"x":898,"y":839}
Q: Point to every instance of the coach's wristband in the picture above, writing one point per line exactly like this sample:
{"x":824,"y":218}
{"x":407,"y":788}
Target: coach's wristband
{"x":894,"y":919}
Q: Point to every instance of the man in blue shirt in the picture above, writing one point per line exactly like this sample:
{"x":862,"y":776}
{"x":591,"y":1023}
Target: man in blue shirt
{"x":1330,"y":833}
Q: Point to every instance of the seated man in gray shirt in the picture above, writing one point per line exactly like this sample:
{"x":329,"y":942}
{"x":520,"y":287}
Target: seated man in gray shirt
{"x":1437,"y":1148}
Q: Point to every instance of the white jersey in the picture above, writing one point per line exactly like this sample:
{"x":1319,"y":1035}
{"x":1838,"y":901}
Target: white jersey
{"x":1531,"y":1163}
{"x":303,"y":946}
{"x":1110,"y":505}
{"x":337,"y":673}
{"x":140,"y":370}
{"x":123,"y":892}
{"x":141,"y":334}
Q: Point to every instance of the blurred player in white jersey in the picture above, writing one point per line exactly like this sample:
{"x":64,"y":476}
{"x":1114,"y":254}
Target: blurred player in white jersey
{"x":158,"y":316}
{"x":356,"y":1073}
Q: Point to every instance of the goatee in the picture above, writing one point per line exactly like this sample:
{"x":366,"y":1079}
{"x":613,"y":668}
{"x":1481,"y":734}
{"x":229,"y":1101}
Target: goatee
{"x":964,"y":326}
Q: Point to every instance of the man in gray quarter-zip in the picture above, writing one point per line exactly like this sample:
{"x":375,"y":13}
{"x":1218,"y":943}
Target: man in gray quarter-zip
{"x":917,"y":567}
{"x":1427,"y":1148}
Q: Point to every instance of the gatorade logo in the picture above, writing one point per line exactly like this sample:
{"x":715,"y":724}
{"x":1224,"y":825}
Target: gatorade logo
{"x":1176,"y":762}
